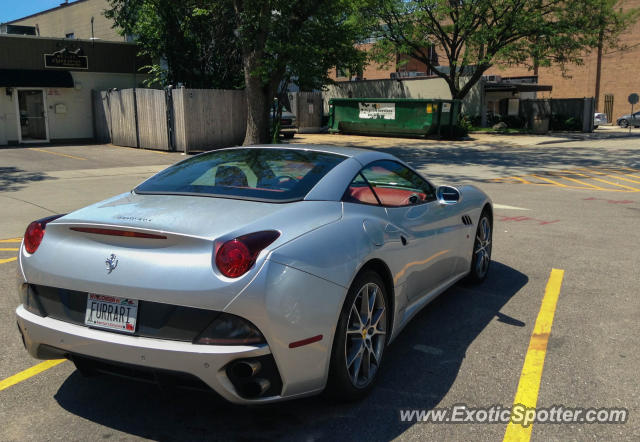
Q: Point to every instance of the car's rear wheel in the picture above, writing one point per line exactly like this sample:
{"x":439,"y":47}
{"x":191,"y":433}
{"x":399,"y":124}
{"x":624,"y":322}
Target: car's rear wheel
{"x":360,"y":339}
{"x":482,"y":249}
{"x":623,"y":123}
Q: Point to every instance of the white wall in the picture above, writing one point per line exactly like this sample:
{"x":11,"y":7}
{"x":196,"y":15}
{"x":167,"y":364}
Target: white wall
{"x":77,"y":122}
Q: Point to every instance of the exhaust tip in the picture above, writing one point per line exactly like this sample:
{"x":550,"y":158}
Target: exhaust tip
{"x":255,"y":388}
{"x":246,"y":369}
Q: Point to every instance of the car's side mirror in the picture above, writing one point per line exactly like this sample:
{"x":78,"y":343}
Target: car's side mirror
{"x":447,"y":195}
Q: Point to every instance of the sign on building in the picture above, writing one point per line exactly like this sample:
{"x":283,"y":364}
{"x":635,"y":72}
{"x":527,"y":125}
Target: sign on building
{"x":67,"y":59}
{"x":386,"y":111}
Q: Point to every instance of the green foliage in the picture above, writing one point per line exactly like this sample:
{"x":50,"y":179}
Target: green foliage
{"x":189,"y":41}
{"x":464,"y":122}
{"x":291,"y":41}
{"x":475,"y":35}
{"x":299,"y":40}
{"x":261,"y":45}
{"x":565,"y":123}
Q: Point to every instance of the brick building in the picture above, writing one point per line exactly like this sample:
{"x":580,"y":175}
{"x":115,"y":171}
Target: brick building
{"x":618,"y":76}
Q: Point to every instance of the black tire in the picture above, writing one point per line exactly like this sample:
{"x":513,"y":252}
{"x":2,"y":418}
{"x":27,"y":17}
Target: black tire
{"x":478,"y":273}
{"x":623,"y":123}
{"x":340,"y":385}
{"x":595,"y":127}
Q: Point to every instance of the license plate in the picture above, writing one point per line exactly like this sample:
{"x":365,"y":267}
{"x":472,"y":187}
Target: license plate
{"x":112,"y":313}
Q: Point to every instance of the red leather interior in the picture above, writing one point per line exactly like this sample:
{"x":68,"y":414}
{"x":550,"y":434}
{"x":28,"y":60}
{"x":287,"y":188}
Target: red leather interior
{"x":389,"y":197}
{"x":362,"y":195}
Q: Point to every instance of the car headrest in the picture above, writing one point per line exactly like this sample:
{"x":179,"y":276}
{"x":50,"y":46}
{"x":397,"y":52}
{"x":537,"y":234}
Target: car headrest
{"x":231,"y":176}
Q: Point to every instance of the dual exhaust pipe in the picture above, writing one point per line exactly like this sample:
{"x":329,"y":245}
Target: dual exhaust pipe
{"x":250,"y":386}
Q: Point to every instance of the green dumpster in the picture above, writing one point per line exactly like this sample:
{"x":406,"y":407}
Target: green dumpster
{"x":393,"y":116}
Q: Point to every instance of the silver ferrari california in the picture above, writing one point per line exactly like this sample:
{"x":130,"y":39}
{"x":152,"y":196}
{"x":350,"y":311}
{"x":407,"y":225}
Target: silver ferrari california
{"x":264,"y":273}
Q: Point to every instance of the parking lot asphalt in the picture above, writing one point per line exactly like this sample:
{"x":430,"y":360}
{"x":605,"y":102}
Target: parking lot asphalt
{"x":571,"y":206}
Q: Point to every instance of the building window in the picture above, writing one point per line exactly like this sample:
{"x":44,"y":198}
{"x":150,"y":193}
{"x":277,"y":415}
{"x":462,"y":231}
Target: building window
{"x":341,"y":72}
{"x":70,"y":35}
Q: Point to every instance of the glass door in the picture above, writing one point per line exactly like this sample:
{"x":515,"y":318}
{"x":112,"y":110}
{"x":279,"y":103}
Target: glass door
{"x":33,"y":116}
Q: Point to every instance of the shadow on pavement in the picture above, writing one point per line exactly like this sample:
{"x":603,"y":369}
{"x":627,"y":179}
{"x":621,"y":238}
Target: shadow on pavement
{"x":409,"y":379}
{"x":479,"y":160}
{"x":14,"y":178}
{"x":508,"y":161}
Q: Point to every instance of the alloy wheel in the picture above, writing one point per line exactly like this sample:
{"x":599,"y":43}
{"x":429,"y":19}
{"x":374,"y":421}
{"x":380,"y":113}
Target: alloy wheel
{"x":483,"y":247}
{"x":366,"y":335}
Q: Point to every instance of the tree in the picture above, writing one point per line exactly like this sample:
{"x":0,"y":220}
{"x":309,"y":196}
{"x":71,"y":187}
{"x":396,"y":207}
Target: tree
{"x":474,"y":35}
{"x":189,"y":41}
{"x":610,"y":23}
{"x":291,"y":41}
{"x":261,"y":45}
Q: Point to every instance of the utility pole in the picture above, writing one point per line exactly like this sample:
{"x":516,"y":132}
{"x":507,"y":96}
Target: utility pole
{"x":599,"y":68}
{"x":601,"y":23}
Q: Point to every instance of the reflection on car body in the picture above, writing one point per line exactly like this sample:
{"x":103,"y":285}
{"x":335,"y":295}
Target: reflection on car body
{"x":264,"y":273}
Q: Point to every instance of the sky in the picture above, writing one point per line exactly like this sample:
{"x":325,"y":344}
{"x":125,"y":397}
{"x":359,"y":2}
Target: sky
{"x":12,"y":9}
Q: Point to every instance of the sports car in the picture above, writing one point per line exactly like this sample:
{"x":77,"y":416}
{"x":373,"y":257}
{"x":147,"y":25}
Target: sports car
{"x":264,"y":273}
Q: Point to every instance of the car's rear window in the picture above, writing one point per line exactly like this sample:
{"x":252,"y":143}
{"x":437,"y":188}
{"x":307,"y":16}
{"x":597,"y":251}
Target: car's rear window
{"x":270,"y":174}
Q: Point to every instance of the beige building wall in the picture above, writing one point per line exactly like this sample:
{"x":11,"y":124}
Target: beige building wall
{"x":74,"y":18}
{"x":77,"y":120}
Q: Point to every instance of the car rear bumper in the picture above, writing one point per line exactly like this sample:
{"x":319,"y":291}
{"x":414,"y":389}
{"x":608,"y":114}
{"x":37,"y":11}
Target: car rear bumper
{"x":48,"y":338}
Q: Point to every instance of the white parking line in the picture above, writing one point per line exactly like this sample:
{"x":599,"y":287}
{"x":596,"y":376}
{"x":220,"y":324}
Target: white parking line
{"x":505,"y":207}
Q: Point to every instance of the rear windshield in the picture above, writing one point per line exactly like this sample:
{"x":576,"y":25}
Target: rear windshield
{"x":277,"y":175}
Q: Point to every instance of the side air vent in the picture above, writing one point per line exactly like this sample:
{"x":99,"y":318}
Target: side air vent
{"x":466,"y":220}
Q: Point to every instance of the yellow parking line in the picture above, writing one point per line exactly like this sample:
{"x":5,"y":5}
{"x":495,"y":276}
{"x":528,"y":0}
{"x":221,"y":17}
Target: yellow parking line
{"x":57,"y":153}
{"x":8,"y":249}
{"x":6,"y":260}
{"x":615,"y":184}
{"x":529,"y":384}
{"x":618,"y":177}
{"x":613,"y":173}
{"x":628,"y":168}
{"x":29,"y":372}
{"x":11,"y":240}
{"x":521,"y":180}
{"x":550,"y":181}
{"x":581,"y":182}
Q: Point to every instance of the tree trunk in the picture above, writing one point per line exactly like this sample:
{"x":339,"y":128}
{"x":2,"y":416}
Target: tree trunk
{"x":258,"y":102}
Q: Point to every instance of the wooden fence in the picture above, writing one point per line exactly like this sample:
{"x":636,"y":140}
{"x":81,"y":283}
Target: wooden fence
{"x":184,"y":120}
{"x":208,"y":118}
{"x":308,"y":108}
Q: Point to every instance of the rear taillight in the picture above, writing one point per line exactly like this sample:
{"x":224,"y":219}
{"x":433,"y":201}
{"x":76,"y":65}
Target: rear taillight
{"x":235,"y":257}
{"x":35,"y":232}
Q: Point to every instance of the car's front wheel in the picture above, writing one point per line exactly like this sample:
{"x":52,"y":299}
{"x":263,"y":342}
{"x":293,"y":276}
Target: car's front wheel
{"x":482,"y":249}
{"x":623,"y":123}
{"x":360,"y":339}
